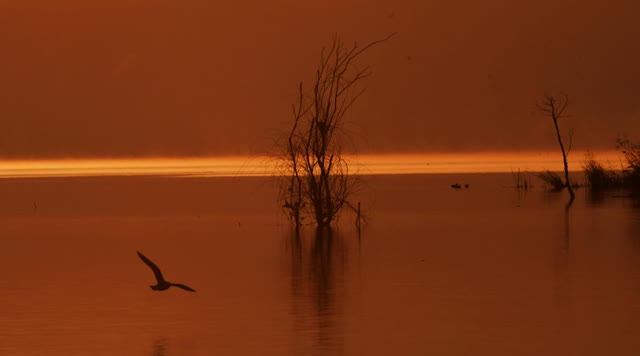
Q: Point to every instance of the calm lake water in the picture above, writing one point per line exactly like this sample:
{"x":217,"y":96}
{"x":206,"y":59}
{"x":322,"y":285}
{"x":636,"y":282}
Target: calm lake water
{"x":437,"y":271}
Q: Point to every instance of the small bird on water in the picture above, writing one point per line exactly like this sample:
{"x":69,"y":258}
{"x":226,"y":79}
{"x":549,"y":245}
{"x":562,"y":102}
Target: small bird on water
{"x":162,"y":283}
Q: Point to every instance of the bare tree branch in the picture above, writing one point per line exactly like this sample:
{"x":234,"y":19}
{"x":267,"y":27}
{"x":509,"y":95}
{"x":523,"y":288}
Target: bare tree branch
{"x":318,"y":181}
{"x":554,"y":109}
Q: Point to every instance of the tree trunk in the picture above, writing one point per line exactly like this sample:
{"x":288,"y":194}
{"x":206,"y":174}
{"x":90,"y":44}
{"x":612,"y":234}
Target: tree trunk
{"x":567,"y":182}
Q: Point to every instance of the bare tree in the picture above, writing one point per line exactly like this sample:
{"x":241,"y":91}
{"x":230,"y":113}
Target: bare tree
{"x":554,"y":108}
{"x":318,"y":181}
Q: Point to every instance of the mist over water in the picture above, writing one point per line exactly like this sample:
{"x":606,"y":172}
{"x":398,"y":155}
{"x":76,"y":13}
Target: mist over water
{"x":486,"y":270}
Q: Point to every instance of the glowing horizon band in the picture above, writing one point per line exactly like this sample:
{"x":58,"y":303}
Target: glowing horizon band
{"x":364,"y":164}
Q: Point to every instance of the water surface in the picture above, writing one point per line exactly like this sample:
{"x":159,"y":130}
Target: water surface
{"x":484,"y":271}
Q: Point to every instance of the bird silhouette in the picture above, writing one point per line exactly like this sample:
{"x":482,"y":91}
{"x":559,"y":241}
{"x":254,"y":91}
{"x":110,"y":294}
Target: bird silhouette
{"x":162,"y":283}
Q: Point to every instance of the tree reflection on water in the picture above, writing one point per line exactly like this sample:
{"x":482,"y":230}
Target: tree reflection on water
{"x":317,"y":264}
{"x":160,"y":346}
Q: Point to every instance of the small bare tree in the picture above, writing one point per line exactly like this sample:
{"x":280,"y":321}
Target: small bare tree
{"x":318,"y":182}
{"x":554,"y":108}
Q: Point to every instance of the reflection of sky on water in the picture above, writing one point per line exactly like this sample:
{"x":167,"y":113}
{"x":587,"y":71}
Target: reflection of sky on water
{"x":439,"y":271}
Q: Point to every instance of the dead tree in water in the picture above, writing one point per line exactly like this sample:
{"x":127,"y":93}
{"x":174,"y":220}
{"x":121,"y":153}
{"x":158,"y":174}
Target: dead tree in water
{"x":318,"y":182}
{"x":554,"y":108}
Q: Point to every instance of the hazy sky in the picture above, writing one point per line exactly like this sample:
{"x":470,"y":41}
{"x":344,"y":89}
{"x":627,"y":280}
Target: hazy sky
{"x":153,"y":77}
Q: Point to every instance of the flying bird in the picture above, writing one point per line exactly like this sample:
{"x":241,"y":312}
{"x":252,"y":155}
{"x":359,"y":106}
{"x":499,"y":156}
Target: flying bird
{"x":162,"y":283}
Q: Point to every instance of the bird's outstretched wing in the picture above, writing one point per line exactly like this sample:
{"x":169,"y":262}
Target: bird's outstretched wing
{"x":154,"y":268}
{"x":183,"y":287}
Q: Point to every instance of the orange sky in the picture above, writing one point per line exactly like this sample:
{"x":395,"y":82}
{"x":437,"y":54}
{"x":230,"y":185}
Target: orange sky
{"x":198,"y":77}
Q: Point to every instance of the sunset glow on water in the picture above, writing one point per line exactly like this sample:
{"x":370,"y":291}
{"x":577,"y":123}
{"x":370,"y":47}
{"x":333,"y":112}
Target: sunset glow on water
{"x":419,"y":163}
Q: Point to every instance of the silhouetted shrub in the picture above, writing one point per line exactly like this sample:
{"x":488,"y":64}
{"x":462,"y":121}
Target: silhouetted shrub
{"x":553,"y":179}
{"x":598,"y":177}
{"x":631,"y":152}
